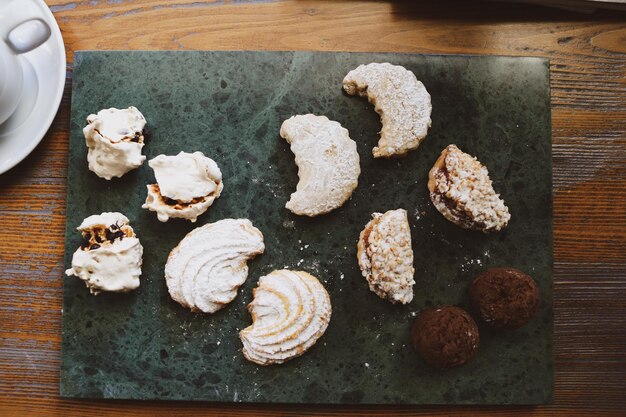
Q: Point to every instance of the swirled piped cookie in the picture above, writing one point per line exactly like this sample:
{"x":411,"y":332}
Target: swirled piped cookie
{"x":110,"y":257}
{"x":385,"y":256}
{"x":187,"y":184}
{"x":205,"y":270}
{"x":290,"y":312}
{"x":461,"y":190}
{"x":115,"y":138}
{"x":401,"y":101}
{"x":328,"y":164}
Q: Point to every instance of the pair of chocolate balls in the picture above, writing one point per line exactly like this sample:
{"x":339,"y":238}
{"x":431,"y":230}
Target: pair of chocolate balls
{"x":447,"y":336}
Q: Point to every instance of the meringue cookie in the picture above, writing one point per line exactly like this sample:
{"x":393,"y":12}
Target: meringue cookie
{"x":208,"y":266}
{"x":115,"y":139}
{"x":385,"y":256}
{"x":401,"y":101}
{"x":290,"y":312}
{"x":110,"y":257}
{"x":328,"y":164}
{"x":187,"y":185}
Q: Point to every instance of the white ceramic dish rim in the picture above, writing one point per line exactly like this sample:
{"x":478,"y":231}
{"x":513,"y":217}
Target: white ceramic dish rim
{"x":57,"y":92}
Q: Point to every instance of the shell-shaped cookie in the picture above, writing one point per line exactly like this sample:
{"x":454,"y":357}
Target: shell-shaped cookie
{"x":328,"y":164}
{"x":461,"y":190}
{"x":290,"y":312}
{"x":401,"y":101}
{"x":209,"y":265}
{"x":110,"y":257}
{"x":114,"y":138}
{"x":385,"y":256}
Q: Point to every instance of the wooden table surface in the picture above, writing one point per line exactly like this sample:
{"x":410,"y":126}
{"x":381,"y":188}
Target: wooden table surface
{"x":588,"y":79}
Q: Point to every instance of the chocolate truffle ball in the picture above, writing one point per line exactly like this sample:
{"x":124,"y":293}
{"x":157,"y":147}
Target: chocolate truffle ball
{"x":505,"y":298}
{"x":445,"y":336}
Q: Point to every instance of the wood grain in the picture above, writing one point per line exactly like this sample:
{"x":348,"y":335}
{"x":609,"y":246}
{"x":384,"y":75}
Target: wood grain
{"x":588,"y":80}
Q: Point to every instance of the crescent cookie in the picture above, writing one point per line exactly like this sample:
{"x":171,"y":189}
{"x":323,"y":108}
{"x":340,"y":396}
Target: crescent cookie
{"x":385,"y":256}
{"x":328,"y":164}
{"x":187,"y":185}
{"x":401,"y":101}
{"x":461,"y":190}
{"x":115,"y":138}
{"x":205,"y":270}
{"x":110,"y":257}
{"x":290,"y":312}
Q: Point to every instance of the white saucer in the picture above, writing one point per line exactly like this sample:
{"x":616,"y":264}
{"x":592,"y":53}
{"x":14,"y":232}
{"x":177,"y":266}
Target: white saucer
{"x":44,"y":80}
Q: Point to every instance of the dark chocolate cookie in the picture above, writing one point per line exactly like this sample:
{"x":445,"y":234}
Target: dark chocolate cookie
{"x":505,"y":298}
{"x":445,"y":336}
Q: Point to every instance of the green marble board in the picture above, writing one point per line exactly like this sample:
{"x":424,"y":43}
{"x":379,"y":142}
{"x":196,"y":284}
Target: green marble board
{"x":229,"y":105}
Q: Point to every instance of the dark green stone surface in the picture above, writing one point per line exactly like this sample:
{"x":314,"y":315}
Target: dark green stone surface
{"x":230,"y":105}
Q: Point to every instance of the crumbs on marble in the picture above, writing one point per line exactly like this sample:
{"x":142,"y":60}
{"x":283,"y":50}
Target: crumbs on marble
{"x":419,"y":213}
{"x":465,"y":266}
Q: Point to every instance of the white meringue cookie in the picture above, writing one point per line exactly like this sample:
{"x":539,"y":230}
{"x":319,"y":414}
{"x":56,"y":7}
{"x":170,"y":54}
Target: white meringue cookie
{"x":115,"y":139}
{"x":186,"y":176}
{"x":112,"y":256}
{"x":187,"y":185}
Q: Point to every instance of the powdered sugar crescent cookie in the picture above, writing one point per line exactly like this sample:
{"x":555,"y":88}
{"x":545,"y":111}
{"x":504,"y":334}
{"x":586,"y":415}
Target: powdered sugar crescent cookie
{"x":205,"y":270}
{"x":187,"y":185}
{"x":460,"y":188}
{"x":328,"y":164}
{"x":110,"y":256}
{"x":385,"y":256}
{"x":401,"y":101}
{"x":115,"y":138}
{"x":290,"y":312}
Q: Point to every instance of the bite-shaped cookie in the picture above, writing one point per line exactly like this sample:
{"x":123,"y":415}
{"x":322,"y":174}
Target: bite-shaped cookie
{"x":115,"y":138}
{"x":401,"y":101}
{"x":445,"y":336}
{"x":110,"y":256}
{"x":205,"y":270}
{"x":328,"y":163}
{"x":505,"y":298}
{"x":290,"y":312}
{"x":385,"y":256}
{"x":460,"y":188}
{"x":187,"y":185}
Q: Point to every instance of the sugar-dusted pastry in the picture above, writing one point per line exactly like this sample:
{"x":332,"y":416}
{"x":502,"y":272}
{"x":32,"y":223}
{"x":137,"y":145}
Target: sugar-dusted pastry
{"x":401,"y":101}
{"x":328,"y":164}
{"x":290,"y":312}
{"x":385,"y":256}
{"x":461,"y":190}
{"x":115,"y":138}
{"x":110,"y":256}
{"x":205,"y":270}
{"x":187,"y":184}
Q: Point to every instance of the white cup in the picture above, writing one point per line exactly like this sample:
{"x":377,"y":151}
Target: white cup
{"x":21,"y":30}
